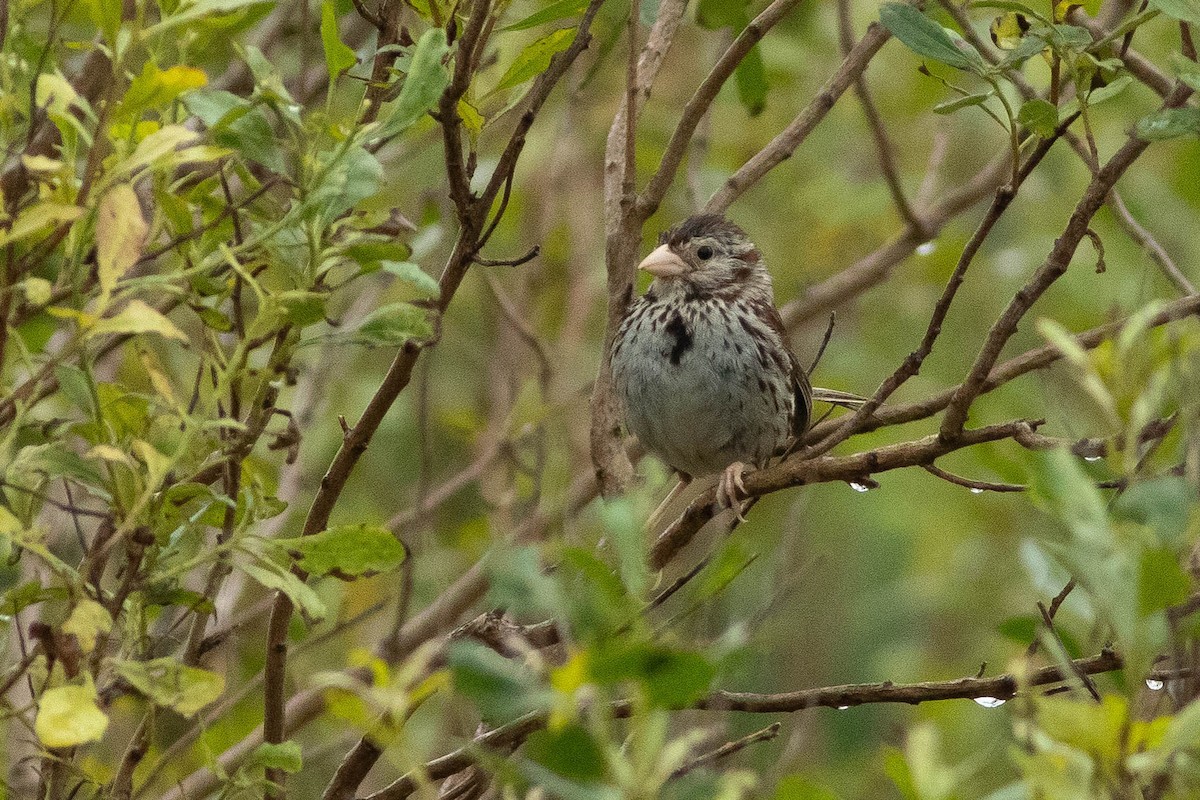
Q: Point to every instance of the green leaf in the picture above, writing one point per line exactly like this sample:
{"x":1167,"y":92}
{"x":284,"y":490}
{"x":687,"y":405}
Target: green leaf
{"x":716,"y":14}
{"x":501,"y":689}
{"x":273,"y":576}
{"x":348,"y":551}
{"x":1169,"y":123}
{"x":195,"y":11}
{"x":1187,"y":70}
{"x":620,"y":518}
{"x":423,"y":86}
{"x":1031,"y":44}
{"x":535,"y":58}
{"x":1184,"y":10}
{"x":516,"y":582}
{"x":751,"y":77}
{"x":1109,"y":90}
{"x":169,"y":683}
{"x":1084,"y":725}
{"x":284,"y":756}
{"x":390,"y":325}
{"x":966,"y":101}
{"x":1039,"y":116}
{"x":798,"y":787}
{"x":137,"y":318}
{"x":926,"y":38}
{"x":671,"y":678}
{"x":301,"y":307}
{"x":120,"y":236}
{"x":68,"y":715}
{"x":413,"y":275}
{"x":1103,"y":564}
{"x":551,"y":13}
{"x":1162,"y":504}
{"x":569,"y":751}
{"x":338,"y":56}
{"x":347,"y":180}
{"x":1162,"y":581}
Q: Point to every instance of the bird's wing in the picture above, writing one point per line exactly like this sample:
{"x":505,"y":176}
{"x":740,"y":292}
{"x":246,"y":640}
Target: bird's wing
{"x":801,"y":388}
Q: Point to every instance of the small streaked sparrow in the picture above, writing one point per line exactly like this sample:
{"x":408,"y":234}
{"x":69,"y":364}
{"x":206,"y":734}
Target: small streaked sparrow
{"x":701,"y":362}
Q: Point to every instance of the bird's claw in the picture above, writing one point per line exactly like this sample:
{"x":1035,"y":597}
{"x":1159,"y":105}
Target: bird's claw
{"x":730,"y":488}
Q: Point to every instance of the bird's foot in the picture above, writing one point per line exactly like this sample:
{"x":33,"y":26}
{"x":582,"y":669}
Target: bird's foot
{"x":730,"y":488}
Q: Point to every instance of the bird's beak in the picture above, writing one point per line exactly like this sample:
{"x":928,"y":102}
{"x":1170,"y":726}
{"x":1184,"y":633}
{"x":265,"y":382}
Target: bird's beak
{"x":663,"y":263}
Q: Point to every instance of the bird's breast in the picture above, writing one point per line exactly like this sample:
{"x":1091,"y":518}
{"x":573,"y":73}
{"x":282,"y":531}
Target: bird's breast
{"x":698,"y":386}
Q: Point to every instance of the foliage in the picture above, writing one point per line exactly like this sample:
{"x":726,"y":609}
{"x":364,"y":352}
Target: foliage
{"x":255,"y":357}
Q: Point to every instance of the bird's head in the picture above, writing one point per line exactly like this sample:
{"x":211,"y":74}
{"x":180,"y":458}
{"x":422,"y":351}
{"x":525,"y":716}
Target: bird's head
{"x":708,"y":255}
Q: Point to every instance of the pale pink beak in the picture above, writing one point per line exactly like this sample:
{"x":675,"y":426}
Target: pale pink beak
{"x":663,"y":263}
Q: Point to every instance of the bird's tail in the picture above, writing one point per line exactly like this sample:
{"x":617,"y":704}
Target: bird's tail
{"x":836,"y":398}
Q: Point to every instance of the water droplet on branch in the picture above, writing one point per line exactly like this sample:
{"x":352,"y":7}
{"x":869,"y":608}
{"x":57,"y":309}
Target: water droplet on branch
{"x":990,"y":702}
{"x":1154,"y":685}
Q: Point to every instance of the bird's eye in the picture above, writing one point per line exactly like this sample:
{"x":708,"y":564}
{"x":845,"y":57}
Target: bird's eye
{"x":704,"y":253}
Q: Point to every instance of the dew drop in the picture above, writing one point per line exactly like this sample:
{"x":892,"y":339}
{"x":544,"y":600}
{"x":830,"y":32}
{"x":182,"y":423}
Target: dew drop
{"x":926,"y":248}
{"x":842,"y":708}
{"x":859,"y":487}
{"x":976,"y":490}
{"x":1092,"y":458}
{"x":990,"y":702}
{"x":1154,"y":685}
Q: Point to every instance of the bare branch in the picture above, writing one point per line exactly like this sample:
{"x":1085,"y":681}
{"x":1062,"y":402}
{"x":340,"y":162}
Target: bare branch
{"x":1157,"y":252}
{"x":782,"y":146}
{"x":1051,"y":270}
{"x":729,"y":748}
{"x":800,"y":470}
{"x":1001,"y":687}
{"x":702,"y":98}
{"x":883,"y":143}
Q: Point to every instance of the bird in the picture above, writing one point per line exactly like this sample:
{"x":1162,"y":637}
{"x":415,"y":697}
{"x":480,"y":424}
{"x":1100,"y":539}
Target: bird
{"x":700,"y":362}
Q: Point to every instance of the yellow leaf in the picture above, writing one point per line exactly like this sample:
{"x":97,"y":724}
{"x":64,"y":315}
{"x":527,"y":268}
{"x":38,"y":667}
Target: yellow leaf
{"x":137,"y":317}
{"x":106,"y":452}
{"x":157,"y":463}
{"x":159,"y":144}
{"x":41,"y":165}
{"x":68,"y":715}
{"x":55,"y":93}
{"x":1008,"y":29}
{"x":38,"y":217}
{"x":87,"y":621}
{"x":179,"y":79}
{"x":120,"y":236}
{"x":37,"y":290}
{"x":158,"y":376}
{"x":471,"y":118}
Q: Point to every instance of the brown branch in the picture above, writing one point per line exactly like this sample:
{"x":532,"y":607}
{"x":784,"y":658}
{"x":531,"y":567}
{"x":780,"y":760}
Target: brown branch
{"x":701,"y":99}
{"x":1029,"y":361}
{"x":974,"y":485}
{"x":782,"y":146}
{"x":729,"y":748}
{"x":1156,"y":251}
{"x":1000,"y":687}
{"x":912,"y":364}
{"x":884,"y":148}
{"x":1051,"y":270}
{"x":800,"y":470}
{"x":352,"y":770}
